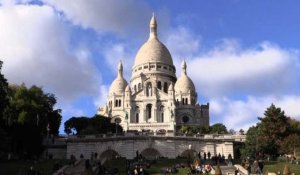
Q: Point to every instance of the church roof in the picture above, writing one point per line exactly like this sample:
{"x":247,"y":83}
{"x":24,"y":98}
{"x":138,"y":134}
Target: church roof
{"x":184,"y":84}
{"x":119,"y":84}
{"x":153,"y":50}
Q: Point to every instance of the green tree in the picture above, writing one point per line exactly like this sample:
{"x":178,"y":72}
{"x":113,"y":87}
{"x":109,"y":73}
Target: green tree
{"x":250,"y":149}
{"x":273,"y":128}
{"x":218,"y":128}
{"x":76,"y":125}
{"x":3,"y":92}
{"x":94,"y":125}
{"x":27,"y":116}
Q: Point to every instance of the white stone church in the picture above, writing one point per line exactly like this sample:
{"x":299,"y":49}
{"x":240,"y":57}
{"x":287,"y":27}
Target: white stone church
{"x":155,"y":100}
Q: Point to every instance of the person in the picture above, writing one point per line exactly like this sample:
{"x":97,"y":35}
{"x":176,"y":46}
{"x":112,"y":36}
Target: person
{"x":141,"y":171}
{"x":73,"y":159}
{"x":135,"y":171}
{"x":237,"y":172}
{"x":87,"y":164}
{"x":31,"y":171}
{"x":249,"y":169}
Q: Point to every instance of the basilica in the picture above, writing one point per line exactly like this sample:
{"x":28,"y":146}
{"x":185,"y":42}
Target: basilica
{"x":155,"y":99}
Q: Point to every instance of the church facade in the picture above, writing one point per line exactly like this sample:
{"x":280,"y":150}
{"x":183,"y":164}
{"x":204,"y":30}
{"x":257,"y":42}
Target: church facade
{"x":155,"y":100}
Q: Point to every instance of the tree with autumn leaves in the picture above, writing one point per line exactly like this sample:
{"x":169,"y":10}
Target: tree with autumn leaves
{"x":274,"y":134}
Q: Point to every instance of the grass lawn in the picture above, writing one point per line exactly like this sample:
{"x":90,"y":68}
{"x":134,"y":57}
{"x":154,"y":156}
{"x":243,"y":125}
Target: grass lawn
{"x":279,"y":166}
{"x":21,"y":167}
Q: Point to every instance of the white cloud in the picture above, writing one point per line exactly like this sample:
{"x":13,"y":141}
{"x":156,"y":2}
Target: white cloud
{"x":116,"y":52}
{"x":239,"y":83}
{"x":35,"y":50}
{"x":182,"y":43}
{"x":101,"y":15}
{"x":229,"y":71}
{"x":100,"y":101}
{"x":239,"y":114}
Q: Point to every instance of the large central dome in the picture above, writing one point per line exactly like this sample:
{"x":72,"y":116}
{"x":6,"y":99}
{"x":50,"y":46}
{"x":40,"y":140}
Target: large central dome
{"x":153,"y":50}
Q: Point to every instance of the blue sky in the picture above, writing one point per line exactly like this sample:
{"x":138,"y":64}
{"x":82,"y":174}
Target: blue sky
{"x":241,"y":55}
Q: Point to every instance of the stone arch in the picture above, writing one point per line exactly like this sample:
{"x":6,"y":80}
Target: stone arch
{"x":189,"y":153}
{"x":115,"y":119}
{"x":109,"y":154}
{"x":150,"y":153}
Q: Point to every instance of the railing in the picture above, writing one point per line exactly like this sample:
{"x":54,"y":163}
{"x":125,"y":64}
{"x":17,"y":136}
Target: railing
{"x":159,"y":134}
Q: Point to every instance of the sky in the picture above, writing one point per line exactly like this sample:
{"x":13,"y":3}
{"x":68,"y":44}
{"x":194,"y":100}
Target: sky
{"x":241,"y":55}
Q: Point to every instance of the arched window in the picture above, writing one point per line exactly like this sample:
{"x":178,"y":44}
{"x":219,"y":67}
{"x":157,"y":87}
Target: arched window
{"x":139,"y":86}
{"x":159,"y":85}
{"x":185,"y":119}
{"x":182,"y":101}
{"x":166,"y":87}
{"x":116,"y":103}
{"x":119,"y":103}
{"x":186,"y":101}
{"x":148,"y":111}
{"x":134,"y":88}
{"x":161,"y":109}
{"x":137,"y":114}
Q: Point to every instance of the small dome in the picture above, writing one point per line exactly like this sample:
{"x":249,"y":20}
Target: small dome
{"x":127,"y":89}
{"x":171,"y":87}
{"x":119,"y":84}
{"x":184,"y":83}
{"x":153,"y":50}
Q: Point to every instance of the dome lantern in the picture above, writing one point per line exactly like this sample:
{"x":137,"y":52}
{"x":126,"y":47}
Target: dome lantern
{"x":153,"y":28}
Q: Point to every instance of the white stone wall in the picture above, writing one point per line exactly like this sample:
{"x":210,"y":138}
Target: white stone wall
{"x":170,"y":147}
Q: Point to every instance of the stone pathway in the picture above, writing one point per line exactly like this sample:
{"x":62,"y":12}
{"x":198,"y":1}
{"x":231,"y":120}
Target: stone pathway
{"x":78,"y":169}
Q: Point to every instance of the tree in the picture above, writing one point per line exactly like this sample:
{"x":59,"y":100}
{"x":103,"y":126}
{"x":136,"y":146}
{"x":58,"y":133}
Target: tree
{"x":219,"y":128}
{"x":94,"y":125}
{"x":26,"y":117}
{"x":275,"y":134}
{"x":3,"y":92}
{"x":250,"y":149}
{"x":273,"y":128}
{"x":76,"y":124}
{"x":290,"y":144}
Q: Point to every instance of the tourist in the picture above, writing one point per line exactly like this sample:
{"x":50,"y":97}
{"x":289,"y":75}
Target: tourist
{"x":208,"y":155}
{"x":135,"y":171}
{"x":73,"y":159}
{"x":237,"y":172}
{"x":141,"y":171}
